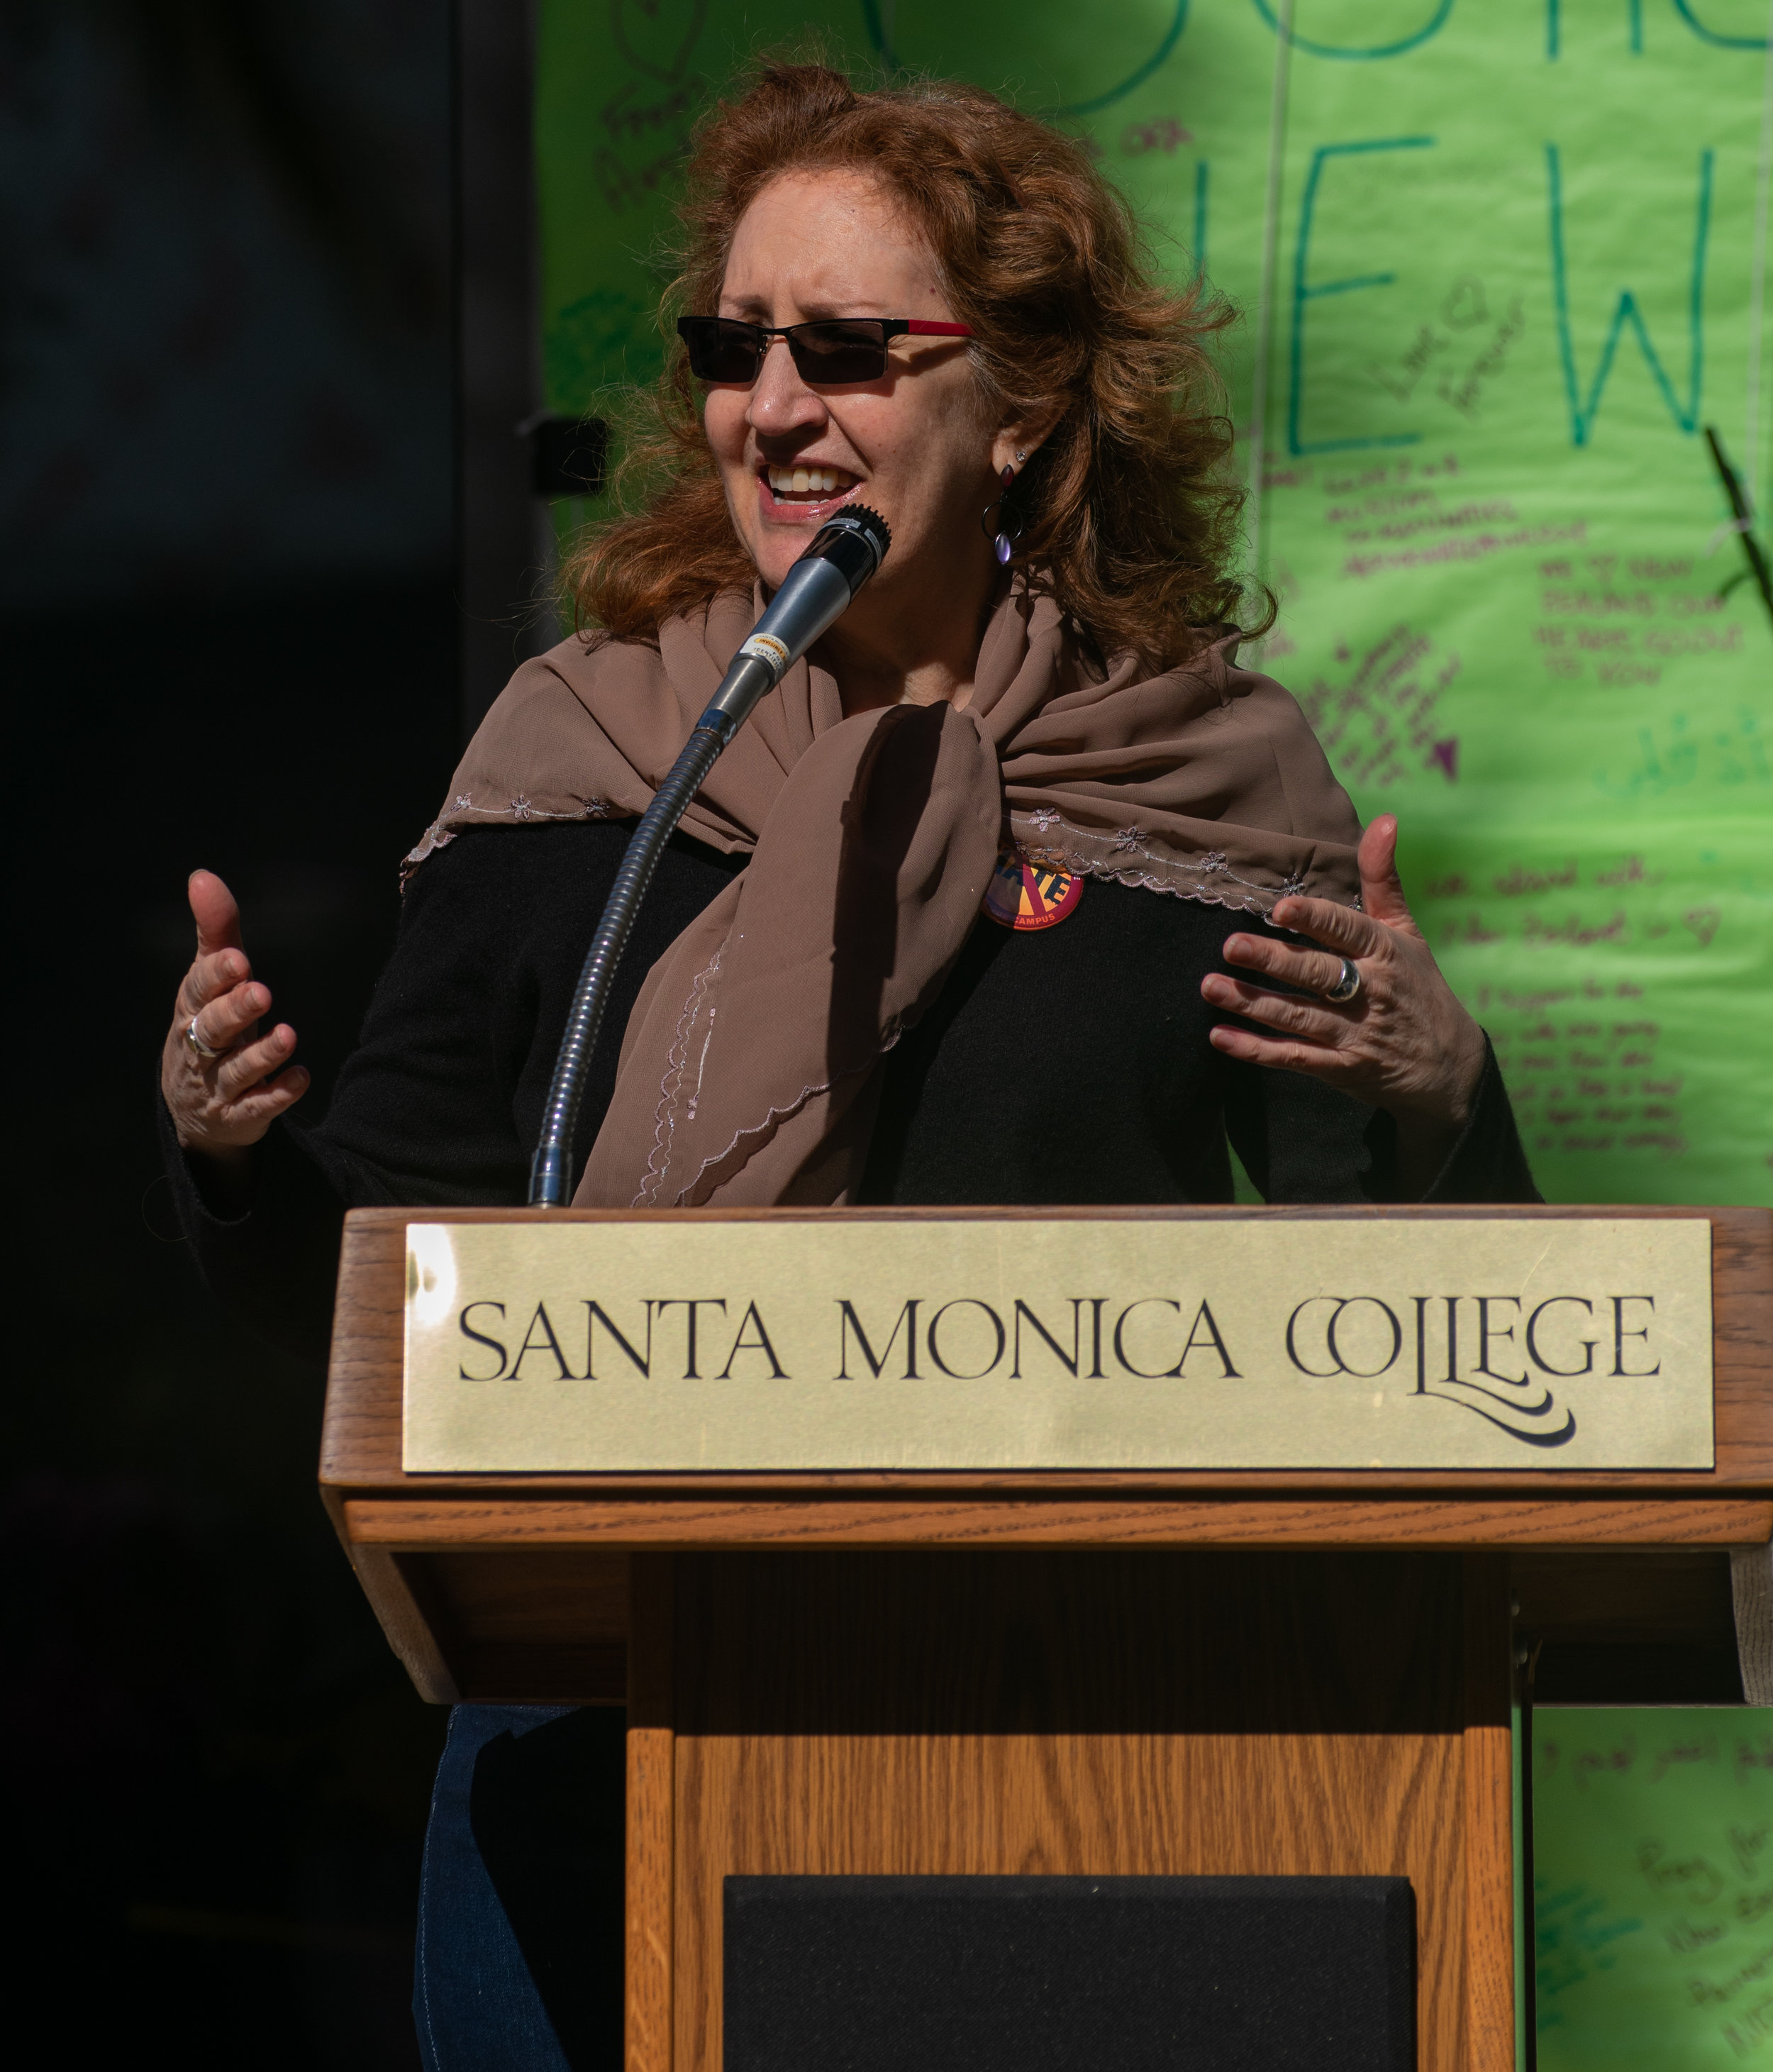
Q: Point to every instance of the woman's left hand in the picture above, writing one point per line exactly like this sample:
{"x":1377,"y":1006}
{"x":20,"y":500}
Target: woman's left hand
{"x":1402,"y":1042}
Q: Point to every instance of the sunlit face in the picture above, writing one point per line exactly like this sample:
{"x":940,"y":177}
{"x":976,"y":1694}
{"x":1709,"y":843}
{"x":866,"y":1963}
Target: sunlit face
{"x":913,"y":444}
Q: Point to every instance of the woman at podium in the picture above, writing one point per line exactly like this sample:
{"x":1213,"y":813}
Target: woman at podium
{"x":1019,"y":889}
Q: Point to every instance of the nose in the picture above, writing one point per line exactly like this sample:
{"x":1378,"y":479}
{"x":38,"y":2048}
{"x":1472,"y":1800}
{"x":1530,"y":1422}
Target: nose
{"x":780,"y":400}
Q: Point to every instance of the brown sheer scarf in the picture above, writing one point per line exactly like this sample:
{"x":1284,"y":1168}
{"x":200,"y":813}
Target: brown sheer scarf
{"x":748,"y":1072}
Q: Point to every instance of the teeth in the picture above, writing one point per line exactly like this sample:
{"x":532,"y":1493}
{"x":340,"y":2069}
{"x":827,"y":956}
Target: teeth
{"x":805,"y":481}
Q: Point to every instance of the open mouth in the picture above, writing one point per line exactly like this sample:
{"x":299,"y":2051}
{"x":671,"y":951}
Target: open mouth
{"x":803,"y":493}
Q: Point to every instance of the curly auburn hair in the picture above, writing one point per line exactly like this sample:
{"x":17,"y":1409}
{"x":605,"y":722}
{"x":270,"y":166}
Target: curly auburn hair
{"x":1130,"y":519}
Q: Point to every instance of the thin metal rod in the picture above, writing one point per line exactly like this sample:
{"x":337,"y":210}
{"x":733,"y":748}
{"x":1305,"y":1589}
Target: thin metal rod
{"x":551,"y":1171}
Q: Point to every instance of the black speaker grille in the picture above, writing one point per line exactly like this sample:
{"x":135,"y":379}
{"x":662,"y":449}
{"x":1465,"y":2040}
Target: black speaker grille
{"x":1069,"y":1974}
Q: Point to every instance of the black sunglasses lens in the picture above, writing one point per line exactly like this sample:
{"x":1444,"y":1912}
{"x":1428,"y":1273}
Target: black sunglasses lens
{"x":836,"y":352}
{"x":722,"y":349}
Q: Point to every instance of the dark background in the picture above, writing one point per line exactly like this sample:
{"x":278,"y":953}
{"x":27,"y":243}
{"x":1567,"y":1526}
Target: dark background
{"x":233,"y":632}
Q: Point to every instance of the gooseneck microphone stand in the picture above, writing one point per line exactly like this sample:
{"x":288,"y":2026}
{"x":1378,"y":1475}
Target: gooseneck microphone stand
{"x":815,"y":592}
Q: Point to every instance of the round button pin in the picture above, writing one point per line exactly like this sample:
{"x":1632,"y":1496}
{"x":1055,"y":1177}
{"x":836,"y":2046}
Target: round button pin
{"x":1027,"y":895}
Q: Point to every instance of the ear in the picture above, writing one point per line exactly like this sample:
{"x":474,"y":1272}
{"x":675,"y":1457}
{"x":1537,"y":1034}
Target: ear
{"x":1016,"y":445}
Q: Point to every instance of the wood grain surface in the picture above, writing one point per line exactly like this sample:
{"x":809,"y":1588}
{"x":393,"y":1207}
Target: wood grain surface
{"x":528,"y":1625}
{"x":546,"y":1624}
{"x":1109,"y":1713}
{"x":502,"y":1518}
{"x":651,"y":1852}
{"x":1486,"y":1758}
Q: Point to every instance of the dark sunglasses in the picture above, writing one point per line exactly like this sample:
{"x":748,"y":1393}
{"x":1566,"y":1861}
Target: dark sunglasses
{"x":833,"y":351}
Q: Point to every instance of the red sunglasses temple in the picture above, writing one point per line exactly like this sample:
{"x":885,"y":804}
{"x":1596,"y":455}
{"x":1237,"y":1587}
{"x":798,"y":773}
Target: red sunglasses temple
{"x":918,"y":328}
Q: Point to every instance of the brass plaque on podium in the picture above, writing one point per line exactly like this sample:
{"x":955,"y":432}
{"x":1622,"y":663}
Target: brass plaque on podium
{"x":1059,"y":1341}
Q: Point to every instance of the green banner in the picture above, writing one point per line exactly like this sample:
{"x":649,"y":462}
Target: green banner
{"x":1500,"y":262}
{"x":1653,"y":1888}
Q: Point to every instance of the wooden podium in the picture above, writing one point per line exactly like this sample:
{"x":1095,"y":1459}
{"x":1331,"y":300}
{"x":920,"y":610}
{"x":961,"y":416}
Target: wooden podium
{"x":1093,"y":1672}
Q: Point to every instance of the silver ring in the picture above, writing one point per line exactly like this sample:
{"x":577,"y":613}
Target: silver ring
{"x":1347,"y":986}
{"x":195,"y":1044}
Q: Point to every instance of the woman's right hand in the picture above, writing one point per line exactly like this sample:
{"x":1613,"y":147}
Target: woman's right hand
{"x":222,"y":1105}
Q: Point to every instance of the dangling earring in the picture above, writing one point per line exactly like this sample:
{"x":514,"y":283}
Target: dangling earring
{"x":998,"y":518}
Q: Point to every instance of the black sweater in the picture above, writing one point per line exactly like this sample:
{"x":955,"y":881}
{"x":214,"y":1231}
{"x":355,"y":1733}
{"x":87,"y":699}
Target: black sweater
{"x":1064,"y":1065}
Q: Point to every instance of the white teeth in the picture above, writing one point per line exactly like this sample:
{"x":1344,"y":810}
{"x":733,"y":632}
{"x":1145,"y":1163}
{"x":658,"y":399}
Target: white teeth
{"x":803,"y":481}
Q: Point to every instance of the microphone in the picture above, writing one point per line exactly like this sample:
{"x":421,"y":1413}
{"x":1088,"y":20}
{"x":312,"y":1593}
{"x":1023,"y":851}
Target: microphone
{"x":844,"y":553}
{"x":846,"y":550}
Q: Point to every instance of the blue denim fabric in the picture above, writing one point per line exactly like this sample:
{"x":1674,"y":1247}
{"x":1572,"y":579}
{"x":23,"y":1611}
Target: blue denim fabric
{"x":519,"y":1967}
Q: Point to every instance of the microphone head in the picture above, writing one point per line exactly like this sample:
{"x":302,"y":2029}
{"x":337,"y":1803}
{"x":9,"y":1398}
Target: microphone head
{"x":855,"y":539}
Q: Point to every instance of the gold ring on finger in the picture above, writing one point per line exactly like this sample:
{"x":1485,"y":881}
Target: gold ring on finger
{"x":195,"y":1043}
{"x":1346,"y":986}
